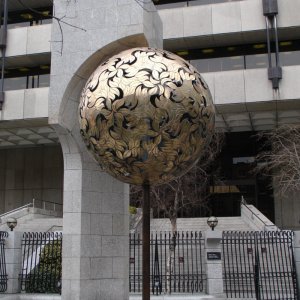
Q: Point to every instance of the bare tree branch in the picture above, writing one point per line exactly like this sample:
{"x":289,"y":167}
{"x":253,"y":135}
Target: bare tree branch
{"x":281,"y":160}
{"x":188,"y":191}
{"x":57,"y":19}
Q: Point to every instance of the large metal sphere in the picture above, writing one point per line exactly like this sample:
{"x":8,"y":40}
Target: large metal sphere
{"x":146,"y":115}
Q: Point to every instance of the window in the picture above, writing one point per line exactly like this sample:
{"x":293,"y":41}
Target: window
{"x":26,"y":78}
{"x":24,"y":18}
{"x":239,"y":57}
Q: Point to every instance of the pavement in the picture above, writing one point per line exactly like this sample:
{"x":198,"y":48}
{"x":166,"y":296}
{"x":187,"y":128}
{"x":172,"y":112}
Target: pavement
{"x":131,"y":297}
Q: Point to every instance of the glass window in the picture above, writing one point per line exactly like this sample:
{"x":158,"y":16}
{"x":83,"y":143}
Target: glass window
{"x":172,"y":5}
{"x":46,"y":21}
{"x":44,"y":80}
{"x":18,"y":25}
{"x":232,"y":63}
{"x":200,"y":2}
{"x":201,"y":65}
{"x":17,"y":83}
{"x":290,"y":58}
{"x":256,"y":61}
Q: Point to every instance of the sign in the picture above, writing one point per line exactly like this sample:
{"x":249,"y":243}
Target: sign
{"x":213,"y":255}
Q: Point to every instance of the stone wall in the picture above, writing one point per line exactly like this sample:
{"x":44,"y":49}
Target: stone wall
{"x":27,"y":173}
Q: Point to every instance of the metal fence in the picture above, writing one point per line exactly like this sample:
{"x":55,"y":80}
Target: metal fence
{"x":3,"y":273}
{"x":259,"y":265}
{"x":183,"y":271}
{"x":41,"y":262}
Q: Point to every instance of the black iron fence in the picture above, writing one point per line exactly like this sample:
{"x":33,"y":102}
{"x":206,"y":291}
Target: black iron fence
{"x":259,"y":265}
{"x":41,"y":262}
{"x":3,"y":273}
{"x":177,"y":263}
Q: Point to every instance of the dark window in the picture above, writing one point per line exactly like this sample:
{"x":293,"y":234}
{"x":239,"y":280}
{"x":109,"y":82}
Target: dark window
{"x":27,"y":78}
{"x":239,"y":57}
{"x":161,"y":4}
{"x":27,"y":17}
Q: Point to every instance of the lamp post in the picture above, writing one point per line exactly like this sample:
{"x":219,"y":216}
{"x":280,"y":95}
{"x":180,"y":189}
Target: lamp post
{"x":212,"y":222}
{"x":11,"y":223}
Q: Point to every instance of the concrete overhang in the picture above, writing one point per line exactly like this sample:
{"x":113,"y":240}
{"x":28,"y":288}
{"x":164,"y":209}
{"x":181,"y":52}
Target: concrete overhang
{"x":228,"y":23}
{"x":14,"y":5}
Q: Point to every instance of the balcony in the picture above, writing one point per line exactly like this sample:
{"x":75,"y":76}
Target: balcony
{"x":225,"y":23}
{"x":25,"y":104}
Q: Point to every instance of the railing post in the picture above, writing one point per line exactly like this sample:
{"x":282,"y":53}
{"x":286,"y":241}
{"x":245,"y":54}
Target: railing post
{"x":297,"y":259}
{"x":13,"y":256}
{"x":214,"y":268}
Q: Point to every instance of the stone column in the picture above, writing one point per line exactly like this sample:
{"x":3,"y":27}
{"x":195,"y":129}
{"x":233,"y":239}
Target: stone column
{"x":214,"y":268}
{"x":13,"y":257}
{"x":95,"y":217}
{"x":95,"y":227}
{"x":297,"y":255}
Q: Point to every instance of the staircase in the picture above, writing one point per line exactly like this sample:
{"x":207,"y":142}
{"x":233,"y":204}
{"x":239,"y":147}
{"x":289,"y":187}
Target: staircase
{"x":33,"y":219}
{"x":251,"y":219}
{"x":41,"y":225}
{"x":199,"y":224}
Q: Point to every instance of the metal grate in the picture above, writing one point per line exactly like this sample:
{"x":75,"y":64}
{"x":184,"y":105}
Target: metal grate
{"x":259,"y":265}
{"x":41,"y":262}
{"x":187,"y":275}
{"x":3,"y":273}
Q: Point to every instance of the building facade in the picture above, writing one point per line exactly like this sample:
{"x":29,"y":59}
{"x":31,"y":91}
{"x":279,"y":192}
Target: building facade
{"x":45,"y":64}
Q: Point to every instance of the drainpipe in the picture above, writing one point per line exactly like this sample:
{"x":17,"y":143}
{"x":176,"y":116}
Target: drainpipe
{"x":3,"y":38}
{"x":270,"y":11}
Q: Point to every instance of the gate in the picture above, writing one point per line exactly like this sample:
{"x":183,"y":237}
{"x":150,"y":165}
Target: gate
{"x":259,"y":265}
{"x":41,"y":262}
{"x":187,"y":275}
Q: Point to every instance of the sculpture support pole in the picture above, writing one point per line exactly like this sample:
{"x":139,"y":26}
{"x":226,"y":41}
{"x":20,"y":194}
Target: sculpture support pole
{"x":146,"y":242}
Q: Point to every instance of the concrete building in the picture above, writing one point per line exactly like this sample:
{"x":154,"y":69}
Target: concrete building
{"x":46,"y":62}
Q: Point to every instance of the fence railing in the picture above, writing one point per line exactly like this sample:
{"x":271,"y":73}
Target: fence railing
{"x":47,"y":205}
{"x":36,"y":203}
{"x":3,"y":273}
{"x":41,"y":262}
{"x":259,"y":265}
{"x":177,"y":263}
{"x":261,"y":221}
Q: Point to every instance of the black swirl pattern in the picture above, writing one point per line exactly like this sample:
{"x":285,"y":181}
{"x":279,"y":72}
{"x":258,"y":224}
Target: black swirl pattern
{"x":146,"y":115}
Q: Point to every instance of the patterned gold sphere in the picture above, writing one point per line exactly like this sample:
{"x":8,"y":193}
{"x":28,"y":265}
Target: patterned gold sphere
{"x":146,"y":115}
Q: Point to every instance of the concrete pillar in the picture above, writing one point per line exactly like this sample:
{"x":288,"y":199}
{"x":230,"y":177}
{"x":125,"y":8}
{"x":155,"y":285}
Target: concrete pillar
{"x":95,"y":217}
{"x":214,"y":268}
{"x":13,"y":257}
{"x":95,"y":227}
{"x":297,"y":255}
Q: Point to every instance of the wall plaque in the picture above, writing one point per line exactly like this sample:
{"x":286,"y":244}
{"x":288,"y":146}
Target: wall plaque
{"x":213,"y":255}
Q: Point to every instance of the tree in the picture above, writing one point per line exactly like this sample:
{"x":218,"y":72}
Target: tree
{"x":281,"y":160}
{"x":188,"y":191}
{"x":46,"y":276}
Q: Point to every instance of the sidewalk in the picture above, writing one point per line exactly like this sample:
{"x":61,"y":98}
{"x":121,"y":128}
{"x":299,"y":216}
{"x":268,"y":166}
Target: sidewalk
{"x":131,"y":297}
{"x":175,"y":297}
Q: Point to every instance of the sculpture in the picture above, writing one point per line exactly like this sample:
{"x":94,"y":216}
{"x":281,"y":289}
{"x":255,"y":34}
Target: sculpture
{"x":146,"y":116}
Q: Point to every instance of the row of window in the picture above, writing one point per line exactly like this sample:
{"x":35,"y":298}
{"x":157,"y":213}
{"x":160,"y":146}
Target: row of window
{"x":24,"y":18}
{"x":26,"y":82}
{"x":243,"y":62}
{"x":162,"y":4}
{"x":202,"y":65}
